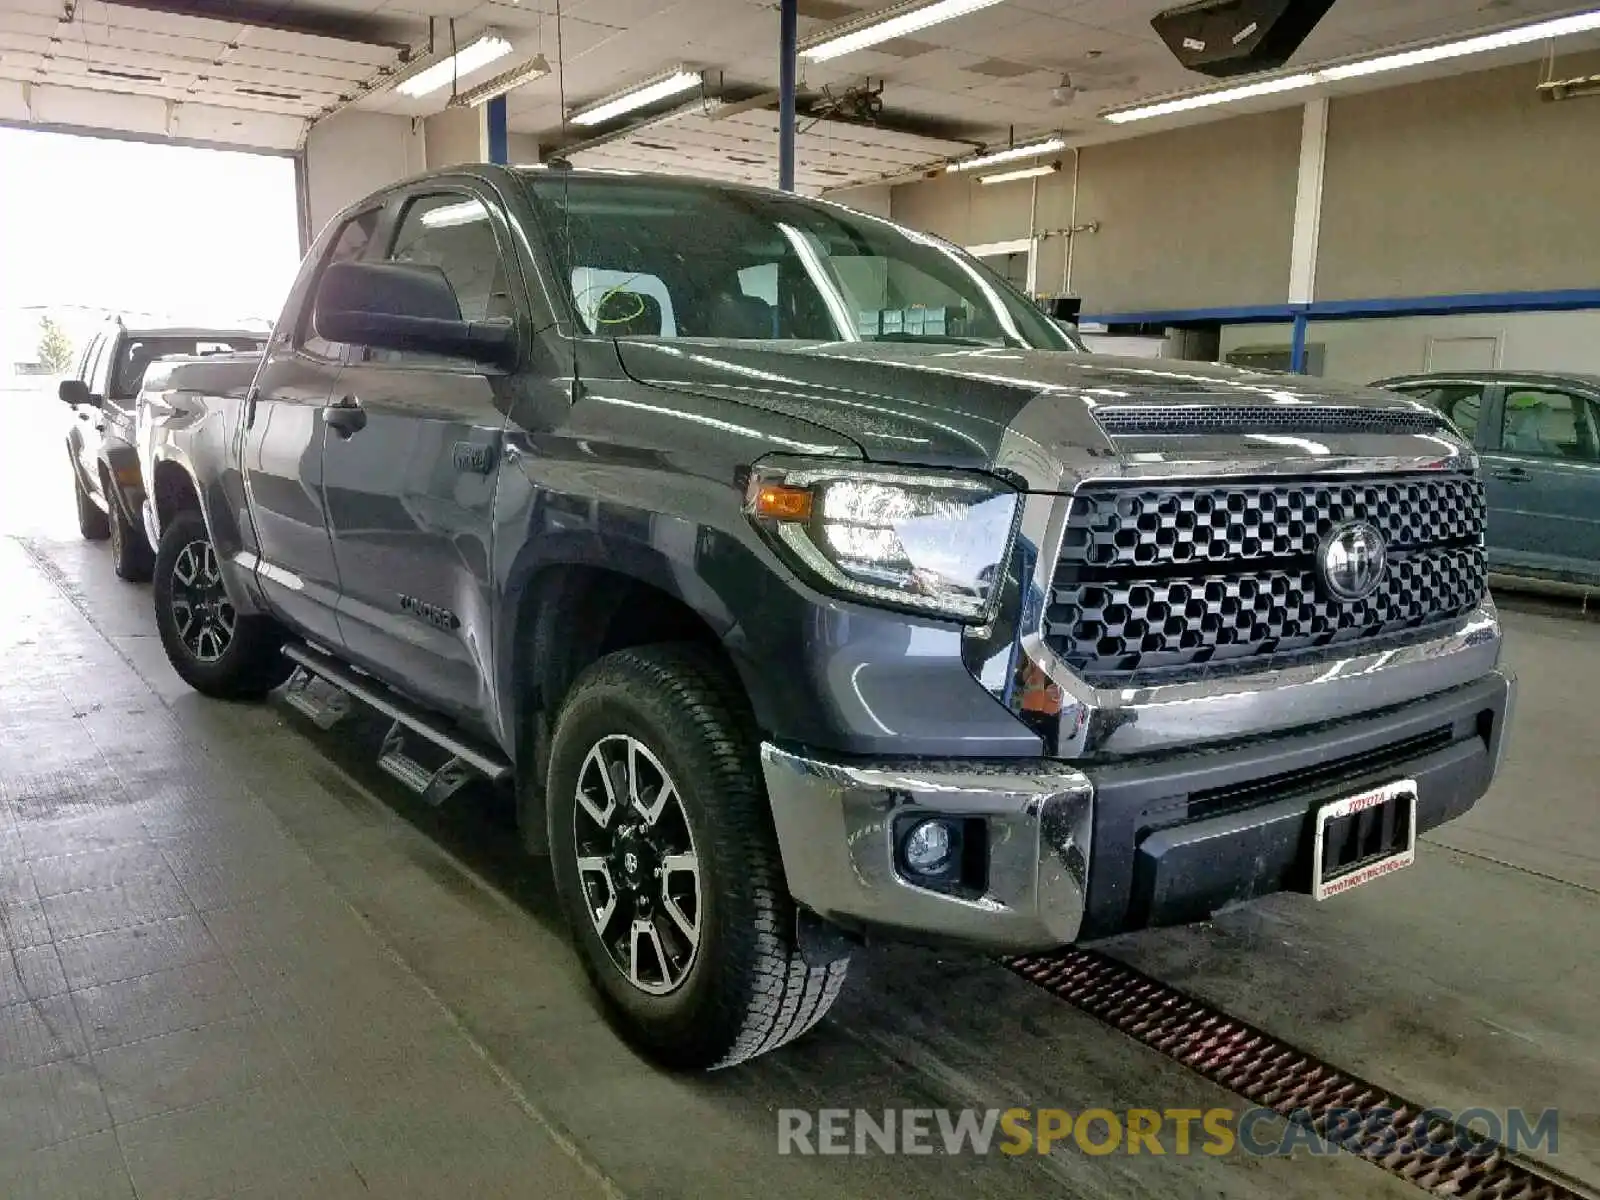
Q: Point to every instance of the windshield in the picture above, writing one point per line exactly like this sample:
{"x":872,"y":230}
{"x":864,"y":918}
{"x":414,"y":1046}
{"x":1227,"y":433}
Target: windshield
{"x":651,"y":258}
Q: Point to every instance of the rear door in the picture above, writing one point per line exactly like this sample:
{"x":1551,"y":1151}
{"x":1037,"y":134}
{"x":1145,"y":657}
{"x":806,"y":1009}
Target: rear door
{"x":410,"y":492}
{"x":1543,"y":478}
{"x":282,"y":454}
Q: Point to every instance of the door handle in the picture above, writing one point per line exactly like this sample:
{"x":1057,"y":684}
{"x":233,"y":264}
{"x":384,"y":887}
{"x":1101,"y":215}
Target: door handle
{"x":250,"y":399}
{"x":345,"y":416}
{"x":1510,"y":474}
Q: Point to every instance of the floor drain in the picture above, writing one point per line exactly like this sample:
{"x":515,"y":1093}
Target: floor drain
{"x":1301,"y":1088}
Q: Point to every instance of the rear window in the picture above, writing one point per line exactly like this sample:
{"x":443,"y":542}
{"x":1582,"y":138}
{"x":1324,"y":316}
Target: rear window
{"x":137,"y":353}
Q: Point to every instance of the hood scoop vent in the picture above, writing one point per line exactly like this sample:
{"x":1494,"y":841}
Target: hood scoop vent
{"x":1195,"y":419}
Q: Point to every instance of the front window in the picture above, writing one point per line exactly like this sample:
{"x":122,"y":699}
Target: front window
{"x":661,"y":259}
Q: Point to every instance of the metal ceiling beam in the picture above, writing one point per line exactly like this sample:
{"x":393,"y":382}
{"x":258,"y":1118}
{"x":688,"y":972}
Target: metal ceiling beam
{"x":344,"y":27}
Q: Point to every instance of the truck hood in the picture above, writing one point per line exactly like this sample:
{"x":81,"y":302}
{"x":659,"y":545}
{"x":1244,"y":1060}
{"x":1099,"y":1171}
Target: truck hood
{"x":1029,"y":410}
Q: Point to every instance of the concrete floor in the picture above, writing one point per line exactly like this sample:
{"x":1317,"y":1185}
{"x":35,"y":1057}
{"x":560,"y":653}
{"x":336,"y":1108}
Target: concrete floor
{"x":236,"y":960}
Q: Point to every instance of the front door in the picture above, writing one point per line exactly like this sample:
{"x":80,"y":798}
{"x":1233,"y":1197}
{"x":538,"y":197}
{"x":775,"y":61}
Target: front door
{"x":411,"y":475}
{"x":282,"y":455}
{"x":1543,"y":482}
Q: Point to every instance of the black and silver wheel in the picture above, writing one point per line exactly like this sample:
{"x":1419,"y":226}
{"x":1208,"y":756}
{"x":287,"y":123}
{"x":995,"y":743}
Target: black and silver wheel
{"x":637,"y":864}
{"x":667,"y":862}
{"x":201,"y":610}
{"x":131,"y":555}
{"x":216,"y":649}
{"x":92,"y":523}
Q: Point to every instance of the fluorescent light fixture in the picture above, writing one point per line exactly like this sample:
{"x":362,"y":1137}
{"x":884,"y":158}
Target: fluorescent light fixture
{"x":1482,"y":44}
{"x":535,"y":68}
{"x":1521,"y":35}
{"x":447,"y":216}
{"x":1261,"y":87}
{"x":640,"y":96}
{"x":886,"y":24}
{"x":1021,"y":173}
{"x":474,"y":56}
{"x":1031,"y":150}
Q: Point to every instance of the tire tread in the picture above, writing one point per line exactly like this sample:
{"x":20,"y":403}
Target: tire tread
{"x":772,"y":995}
{"x":254,"y":663}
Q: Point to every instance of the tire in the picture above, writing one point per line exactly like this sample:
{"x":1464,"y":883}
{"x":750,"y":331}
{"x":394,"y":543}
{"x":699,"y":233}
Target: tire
{"x":245,"y":665}
{"x":746,"y":989}
{"x":92,"y":523}
{"x":130,"y":551}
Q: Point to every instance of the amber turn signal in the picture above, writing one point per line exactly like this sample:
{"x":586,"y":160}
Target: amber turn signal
{"x":781,"y":503}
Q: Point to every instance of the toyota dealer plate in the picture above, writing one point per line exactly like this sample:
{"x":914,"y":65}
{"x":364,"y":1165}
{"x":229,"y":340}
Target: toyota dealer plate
{"x":1364,"y":837}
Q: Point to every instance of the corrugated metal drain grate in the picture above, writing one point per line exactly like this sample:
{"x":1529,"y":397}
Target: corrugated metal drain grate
{"x":1301,"y":1088}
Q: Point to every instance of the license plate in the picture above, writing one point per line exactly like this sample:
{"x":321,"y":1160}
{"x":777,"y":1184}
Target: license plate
{"x":1364,"y":837}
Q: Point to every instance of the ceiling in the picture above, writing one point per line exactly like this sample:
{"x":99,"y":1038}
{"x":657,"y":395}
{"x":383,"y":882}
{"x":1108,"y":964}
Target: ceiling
{"x":726,"y":142}
{"x":128,"y":69}
{"x":978,"y":79}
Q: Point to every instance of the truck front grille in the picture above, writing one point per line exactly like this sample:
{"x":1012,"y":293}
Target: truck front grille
{"x":1178,"y":578}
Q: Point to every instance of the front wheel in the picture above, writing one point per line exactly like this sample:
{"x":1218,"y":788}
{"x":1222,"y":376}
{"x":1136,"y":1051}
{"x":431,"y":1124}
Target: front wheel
{"x":216,"y":649}
{"x":667,"y":863}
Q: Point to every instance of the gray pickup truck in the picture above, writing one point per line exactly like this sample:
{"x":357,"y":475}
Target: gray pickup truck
{"x":810,"y":587}
{"x":106,"y":482}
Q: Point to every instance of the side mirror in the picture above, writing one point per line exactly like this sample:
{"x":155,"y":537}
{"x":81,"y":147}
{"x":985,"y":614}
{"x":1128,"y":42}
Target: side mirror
{"x":76,"y":392}
{"x":399,"y":306}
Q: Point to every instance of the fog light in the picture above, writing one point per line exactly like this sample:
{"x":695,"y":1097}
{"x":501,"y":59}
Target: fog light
{"x":928,"y":847}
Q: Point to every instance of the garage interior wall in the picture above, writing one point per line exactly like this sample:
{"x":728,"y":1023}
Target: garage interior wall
{"x":1364,"y":350}
{"x":1189,"y":218}
{"x":1466,"y":184}
{"x":456,"y":135}
{"x":351,"y":154}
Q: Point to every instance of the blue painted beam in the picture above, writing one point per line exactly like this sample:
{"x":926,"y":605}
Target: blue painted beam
{"x":1297,"y":345}
{"x":1560,"y":299}
{"x":788,"y":34}
{"x":1194,"y":316}
{"x":495,"y":115}
{"x":1466,"y":302}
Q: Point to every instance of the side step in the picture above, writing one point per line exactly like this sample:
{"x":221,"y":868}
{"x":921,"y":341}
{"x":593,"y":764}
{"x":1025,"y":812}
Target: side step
{"x":322,"y":689}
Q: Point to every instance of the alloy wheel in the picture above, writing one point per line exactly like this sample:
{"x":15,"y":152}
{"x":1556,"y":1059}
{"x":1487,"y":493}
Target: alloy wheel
{"x":200,"y":607}
{"x":637,"y":864}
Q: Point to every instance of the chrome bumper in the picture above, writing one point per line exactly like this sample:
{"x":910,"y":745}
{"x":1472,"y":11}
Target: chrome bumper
{"x":835,"y":829}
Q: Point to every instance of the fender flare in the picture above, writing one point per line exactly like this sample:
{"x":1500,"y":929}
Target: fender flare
{"x":129,"y":500}
{"x":525,"y":623}
{"x":237,"y":565}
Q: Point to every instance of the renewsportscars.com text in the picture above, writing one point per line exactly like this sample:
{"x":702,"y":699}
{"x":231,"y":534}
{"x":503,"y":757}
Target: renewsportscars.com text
{"x":1258,"y":1132}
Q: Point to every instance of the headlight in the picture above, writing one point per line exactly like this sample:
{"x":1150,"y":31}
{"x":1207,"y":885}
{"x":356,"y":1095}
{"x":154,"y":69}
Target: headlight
{"x":937,"y":543}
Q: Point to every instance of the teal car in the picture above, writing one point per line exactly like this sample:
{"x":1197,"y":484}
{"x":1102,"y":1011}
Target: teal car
{"x":1539,"y":437}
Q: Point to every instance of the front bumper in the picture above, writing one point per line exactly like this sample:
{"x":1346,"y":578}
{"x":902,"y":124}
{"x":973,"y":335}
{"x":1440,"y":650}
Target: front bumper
{"x":1071,"y":854}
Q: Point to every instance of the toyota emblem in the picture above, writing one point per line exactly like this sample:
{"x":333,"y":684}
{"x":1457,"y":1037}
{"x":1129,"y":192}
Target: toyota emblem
{"x":1352,"y":560}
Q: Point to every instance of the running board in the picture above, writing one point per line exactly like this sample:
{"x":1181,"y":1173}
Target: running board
{"x":324,"y":704}
{"x":434,"y":786}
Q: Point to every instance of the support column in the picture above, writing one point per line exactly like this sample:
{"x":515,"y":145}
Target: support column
{"x":494,"y":115}
{"x":350,"y":155}
{"x":1297,"y":343}
{"x":788,"y":35}
{"x":1307,"y":221}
